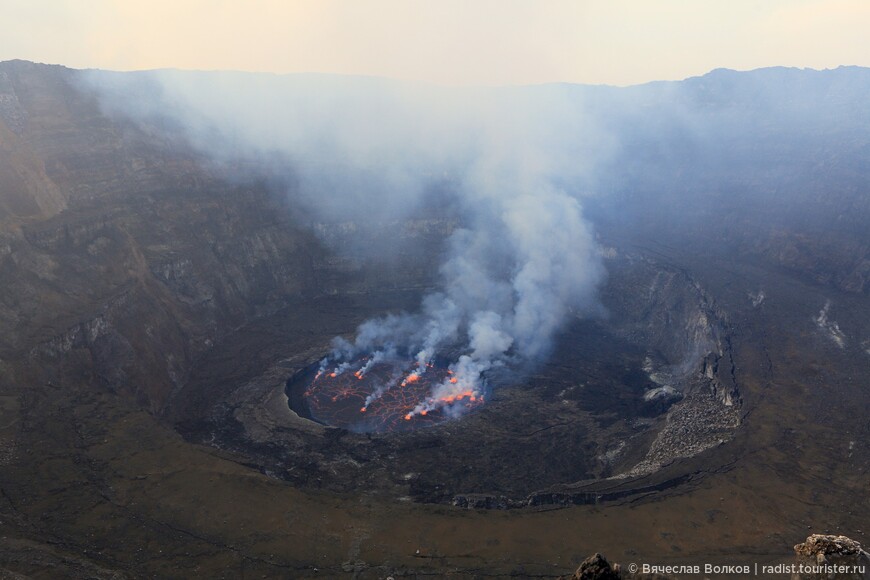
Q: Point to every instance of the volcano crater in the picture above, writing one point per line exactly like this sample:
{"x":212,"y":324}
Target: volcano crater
{"x":620,"y":401}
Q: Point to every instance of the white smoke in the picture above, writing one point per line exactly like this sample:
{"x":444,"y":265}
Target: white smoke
{"x":373,"y":360}
{"x":512,"y":278}
{"x":523,"y":259}
{"x":383,"y":387}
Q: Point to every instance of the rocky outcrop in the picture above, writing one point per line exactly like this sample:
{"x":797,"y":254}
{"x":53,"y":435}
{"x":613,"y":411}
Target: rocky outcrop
{"x":666,"y":310}
{"x":822,"y":556}
{"x":27,"y":191}
{"x":11,"y":112}
{"x":690,"y":365}
{"x":722,"y":381}
{"x":595,"y":567}
{"x":821,"y":547}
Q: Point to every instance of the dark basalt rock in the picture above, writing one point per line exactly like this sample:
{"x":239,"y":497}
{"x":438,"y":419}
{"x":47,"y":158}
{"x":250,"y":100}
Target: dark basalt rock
{"x":596,"y":567}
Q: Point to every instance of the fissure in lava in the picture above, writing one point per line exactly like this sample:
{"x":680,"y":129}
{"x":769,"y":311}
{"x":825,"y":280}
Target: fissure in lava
{"x":387,"y":395}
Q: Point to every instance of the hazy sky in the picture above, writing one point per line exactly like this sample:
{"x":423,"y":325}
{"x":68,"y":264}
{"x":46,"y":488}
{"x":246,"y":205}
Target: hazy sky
{"x":443,"y":41}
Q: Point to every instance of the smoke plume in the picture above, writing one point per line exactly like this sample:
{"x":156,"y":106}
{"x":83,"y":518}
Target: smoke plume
{"x":521,"y":262}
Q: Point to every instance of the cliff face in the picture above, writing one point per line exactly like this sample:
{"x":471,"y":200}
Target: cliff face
{"x":119,"y":249}
{"x":27,"y":191}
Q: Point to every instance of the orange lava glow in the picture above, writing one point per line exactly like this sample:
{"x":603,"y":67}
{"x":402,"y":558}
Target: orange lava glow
{"x":458,"y":397}
{"x":381,"y":400}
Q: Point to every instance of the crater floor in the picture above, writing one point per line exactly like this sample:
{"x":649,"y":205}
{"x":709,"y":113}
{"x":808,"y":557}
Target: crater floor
{"x":608,"y":406}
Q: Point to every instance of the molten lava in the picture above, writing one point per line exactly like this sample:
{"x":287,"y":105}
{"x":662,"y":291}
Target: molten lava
{"x":387,"y":395}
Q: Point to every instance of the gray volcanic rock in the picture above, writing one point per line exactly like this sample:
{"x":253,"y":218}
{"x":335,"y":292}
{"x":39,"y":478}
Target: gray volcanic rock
{"x":827,"y":545}
{"x":596,"y":567}
{"x":824,"y":556}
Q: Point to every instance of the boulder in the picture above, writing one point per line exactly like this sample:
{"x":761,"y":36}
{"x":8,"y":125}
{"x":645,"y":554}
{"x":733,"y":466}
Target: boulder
{"x":596,"y":567}
{"x":820,"y":544}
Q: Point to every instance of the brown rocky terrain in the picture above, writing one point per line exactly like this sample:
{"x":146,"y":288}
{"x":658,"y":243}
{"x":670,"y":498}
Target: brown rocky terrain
{"x":152,"y":312}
